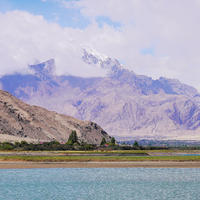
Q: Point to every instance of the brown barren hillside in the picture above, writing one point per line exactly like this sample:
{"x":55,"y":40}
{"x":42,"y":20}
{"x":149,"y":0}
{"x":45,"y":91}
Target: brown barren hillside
{"x":20,"y":121}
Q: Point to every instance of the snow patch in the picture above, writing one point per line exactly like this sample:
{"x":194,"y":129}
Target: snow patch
{"x":95,"y":53}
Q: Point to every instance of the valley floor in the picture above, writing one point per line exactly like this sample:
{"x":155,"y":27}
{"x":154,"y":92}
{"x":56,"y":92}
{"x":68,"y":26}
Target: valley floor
{"x":100,"y":159}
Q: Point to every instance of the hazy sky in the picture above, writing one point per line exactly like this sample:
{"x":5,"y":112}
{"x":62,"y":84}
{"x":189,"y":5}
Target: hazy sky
{"x":151,"y":37}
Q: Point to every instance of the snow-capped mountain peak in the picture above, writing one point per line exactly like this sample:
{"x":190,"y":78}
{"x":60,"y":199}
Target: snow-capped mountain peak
{"x":94,"y":53}
{"x":92,"y":57}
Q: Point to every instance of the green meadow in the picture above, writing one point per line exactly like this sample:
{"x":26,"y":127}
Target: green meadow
{"x":98,"y":156}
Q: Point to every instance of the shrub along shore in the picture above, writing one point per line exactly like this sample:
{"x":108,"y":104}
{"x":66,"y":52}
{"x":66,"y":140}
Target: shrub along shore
{"x":73,"y":143}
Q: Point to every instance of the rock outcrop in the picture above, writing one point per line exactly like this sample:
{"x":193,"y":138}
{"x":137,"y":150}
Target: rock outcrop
{"x":20,"y":121}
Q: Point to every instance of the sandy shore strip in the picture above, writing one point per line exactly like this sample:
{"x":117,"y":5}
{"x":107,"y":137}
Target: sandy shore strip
{"x":143,"y":164}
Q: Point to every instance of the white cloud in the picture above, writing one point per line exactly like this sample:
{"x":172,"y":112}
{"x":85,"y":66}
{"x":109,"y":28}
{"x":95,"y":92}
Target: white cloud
{"x":170,"y":27}
{"x":26,"y":39}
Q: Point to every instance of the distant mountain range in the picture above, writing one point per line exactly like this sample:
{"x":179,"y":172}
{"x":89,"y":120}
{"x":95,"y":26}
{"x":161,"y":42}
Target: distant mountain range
{"x":123,"y":103}
{"x":20,"y":121}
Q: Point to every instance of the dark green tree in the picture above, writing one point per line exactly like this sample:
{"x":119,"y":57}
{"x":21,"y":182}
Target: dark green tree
{"x":136,"y":145}
{"x":103,"y":141}
{"x":23,"y":143}
{"x":6,"y":146}
{"x":72,"y":138}
{"x":112,"y":141}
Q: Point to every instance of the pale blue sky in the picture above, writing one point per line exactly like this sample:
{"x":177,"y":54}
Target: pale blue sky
{"x":50,"y":10}
{"x":54,"y":11}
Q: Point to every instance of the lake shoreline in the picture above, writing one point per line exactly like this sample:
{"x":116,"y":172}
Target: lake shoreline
{"x":134,"y":164}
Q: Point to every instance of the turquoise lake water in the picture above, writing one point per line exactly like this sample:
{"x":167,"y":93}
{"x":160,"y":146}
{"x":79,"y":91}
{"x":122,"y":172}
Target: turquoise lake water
{"x":100,"y":184}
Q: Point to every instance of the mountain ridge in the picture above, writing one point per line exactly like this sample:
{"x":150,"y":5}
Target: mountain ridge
{"x":123,"y":103}
{"x":117,"y":71}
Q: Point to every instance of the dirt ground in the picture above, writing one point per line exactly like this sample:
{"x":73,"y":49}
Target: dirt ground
{"x":143,"y":164}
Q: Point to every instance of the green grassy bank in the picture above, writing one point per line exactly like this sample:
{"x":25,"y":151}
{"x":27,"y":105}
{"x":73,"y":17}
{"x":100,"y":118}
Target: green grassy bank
{"x":97,"y":158}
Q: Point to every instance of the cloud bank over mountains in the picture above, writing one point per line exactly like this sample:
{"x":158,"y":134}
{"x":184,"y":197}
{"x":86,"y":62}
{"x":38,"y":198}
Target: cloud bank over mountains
{"x":155,"y":38}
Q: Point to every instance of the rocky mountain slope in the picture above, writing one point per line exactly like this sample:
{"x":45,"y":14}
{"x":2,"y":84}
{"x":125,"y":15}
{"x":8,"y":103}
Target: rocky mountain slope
{"x":123,"y":103}
{"x":20,"y":121}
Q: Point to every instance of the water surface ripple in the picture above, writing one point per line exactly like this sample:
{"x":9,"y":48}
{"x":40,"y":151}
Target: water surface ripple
{"x":100,"y":184}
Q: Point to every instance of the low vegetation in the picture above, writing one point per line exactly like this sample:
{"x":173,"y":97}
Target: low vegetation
{"x":73,"y":145}
{"x":70,"y":145}
{"x":84,"y":158}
